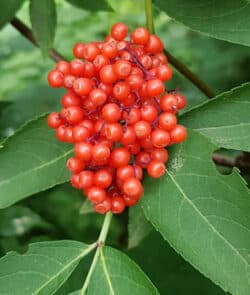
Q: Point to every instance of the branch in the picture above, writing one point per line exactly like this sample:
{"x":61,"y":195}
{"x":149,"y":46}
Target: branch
{"x":192,"y":77}
{"x":27,"y":33}
{"x":242,"y":164}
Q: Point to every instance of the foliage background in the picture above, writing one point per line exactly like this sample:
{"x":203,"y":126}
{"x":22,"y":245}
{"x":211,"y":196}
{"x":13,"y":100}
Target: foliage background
{"x":58,"y":213}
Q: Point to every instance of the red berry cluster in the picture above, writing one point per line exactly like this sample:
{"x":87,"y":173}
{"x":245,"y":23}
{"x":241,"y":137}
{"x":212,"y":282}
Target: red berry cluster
{"x":118,"y":114}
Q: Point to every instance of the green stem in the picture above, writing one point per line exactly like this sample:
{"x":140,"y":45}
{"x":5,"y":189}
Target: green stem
{"x":192,"y":77}
{"x":100,"y":242}
{"x":149,"y":16}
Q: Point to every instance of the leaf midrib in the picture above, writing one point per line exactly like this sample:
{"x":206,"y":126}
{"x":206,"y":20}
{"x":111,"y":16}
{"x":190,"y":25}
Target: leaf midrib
{"x":205,"y":219}
{"x":81,"y":255}
{"x":36,"y":168}
{"x":106,"y":273}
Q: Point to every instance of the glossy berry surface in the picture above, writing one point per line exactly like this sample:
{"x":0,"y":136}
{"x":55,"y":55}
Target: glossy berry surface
{"x":118,"y":114}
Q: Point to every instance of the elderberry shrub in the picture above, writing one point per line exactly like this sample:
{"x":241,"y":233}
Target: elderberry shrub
{"x":118,"y":114}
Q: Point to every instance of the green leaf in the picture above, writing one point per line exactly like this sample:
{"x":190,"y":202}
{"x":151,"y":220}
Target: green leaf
{"x":92,"y":5}
{"x":226,"y":20}
{"x":116,"y":273}
{"x":138,"y":227}
{"x":18,"y":220}
{"x":43,"y":20}
{"x":225,"y":119}
{"x":173,"y":273}
{"x":8,"y":10}
{"x":43,"y":269}
{"x":31,"y":160}
{"x":202,"y":214}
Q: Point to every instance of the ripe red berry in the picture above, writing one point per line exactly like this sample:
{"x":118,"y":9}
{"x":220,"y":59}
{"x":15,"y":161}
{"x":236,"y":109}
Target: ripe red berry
{"x":111,"y":113}
{"x":117,"y":205}
{"x":86,"y":179}
{"x":80,"y":133}
{"x":63,"y":67}
{"x":167,"y":121}
{"x":181,"y":100}
{"x":90,"y":51}
{"x":54,"y":120}
{"x":104,"y":206}
{"x":178,"y":134}
{"x":78,"y":49}
{"x":83,"y":150}
{"x":113,"y":131}
{"x":160,"y":154}
{"x":142,"y":129}
{"x":73,"y":115}
{"x":75,"y":165}
{"x":55,"y":79}
{"x":119,"y":31}
{"x":107,"y":74}
{"x":98,"y":97}
{"x":74,"y":180}
{"x":154,"y":87}
{"x":96,"y":195}
{"x":103,"y":178}
{"x":77,"y":67}
{"x":169,"y":103}
{"x":164,"y":72}
{"x":160,"y":138}
{"x":122,"y":68}
{"x":83,"y":86}
{"x":128,"y":136}
{"x":156,"y":169}
{"x":154,"y":45}
{"x":119,"y":157}
{"x":121,"y":90}
{"x":71,"y":99}
{"x":100,"y":152}
{"x":140,"y":36}
{"x":133,"y":188}
{"x":149,"y":113}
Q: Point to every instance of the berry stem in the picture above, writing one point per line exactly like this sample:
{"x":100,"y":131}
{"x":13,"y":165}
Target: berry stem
{"x":99,"y":244}
{"x":149,"y":16}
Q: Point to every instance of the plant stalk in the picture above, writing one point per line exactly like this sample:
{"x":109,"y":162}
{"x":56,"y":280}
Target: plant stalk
{"x":100,"y":242}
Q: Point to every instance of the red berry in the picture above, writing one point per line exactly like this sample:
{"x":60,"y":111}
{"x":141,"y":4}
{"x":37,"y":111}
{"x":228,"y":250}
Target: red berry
{"x":140,"y":36}
{"x":142,"y":129}
{"x":128,"y":136}
{"x":97,"y":97}
{"x":154,"y":87}
{"x":149,"y":113}
{"x":156,"y":169}
{"x":167,"y":121}
{"x":78,"y":49}
{"x":111,"y":113}
{"x":178,"y":134}
{"x":154,"y":45}
{"x":104,"y":206}
{"x":160,"y":154}
{"x":121,"y":90}
{"x":90,"y":51}
{"x":133,"y":188}
{"x":80,"y":133}
{"x":119,"y":31}
{"x":73,"y":114}
{"x":77,"y":67}
{"x":55,"y":79}
{"x":96,"y":195}
{"x":113,"y":131}
{"x":75,"y":164}
{"x":169,"y":103}
{"x":164,"y":72}
{"x":71,"y":99}
{"x":122,"y":68}
{"x":103,"y":178}
{"x":63,"y":67}
{"x":86,"y":179}
{"x":107,"y":74}
{"x":160,"y":138}
{"x":100,"y":152}
{"x":54,"y":120}
{"x":117,"y":205}
{"x":119,"y":157}
{"x":83,"y":86}
{"x":83,"y":150}
{"x":181,"y":101}
{"x":74,"y":180}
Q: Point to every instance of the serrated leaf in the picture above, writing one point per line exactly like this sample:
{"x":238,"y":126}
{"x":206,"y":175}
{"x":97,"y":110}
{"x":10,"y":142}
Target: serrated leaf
{"x":92,"y":5}
{"x":116,"y":273}
{"x":31,"y":160}
{"x":204,"y":215}
{"x":43,"y":269}
{"x":19,"y":220}
{"x":225,"y":20}
{"x":225,"y":119}
{"x":138,"y":226}
{"x":43,"y":20}
{"x":173,"y":273}
{"x":8,"y":10}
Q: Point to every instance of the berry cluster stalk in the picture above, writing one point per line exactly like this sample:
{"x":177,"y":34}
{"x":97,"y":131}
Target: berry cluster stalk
{"x":100,"y":242}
